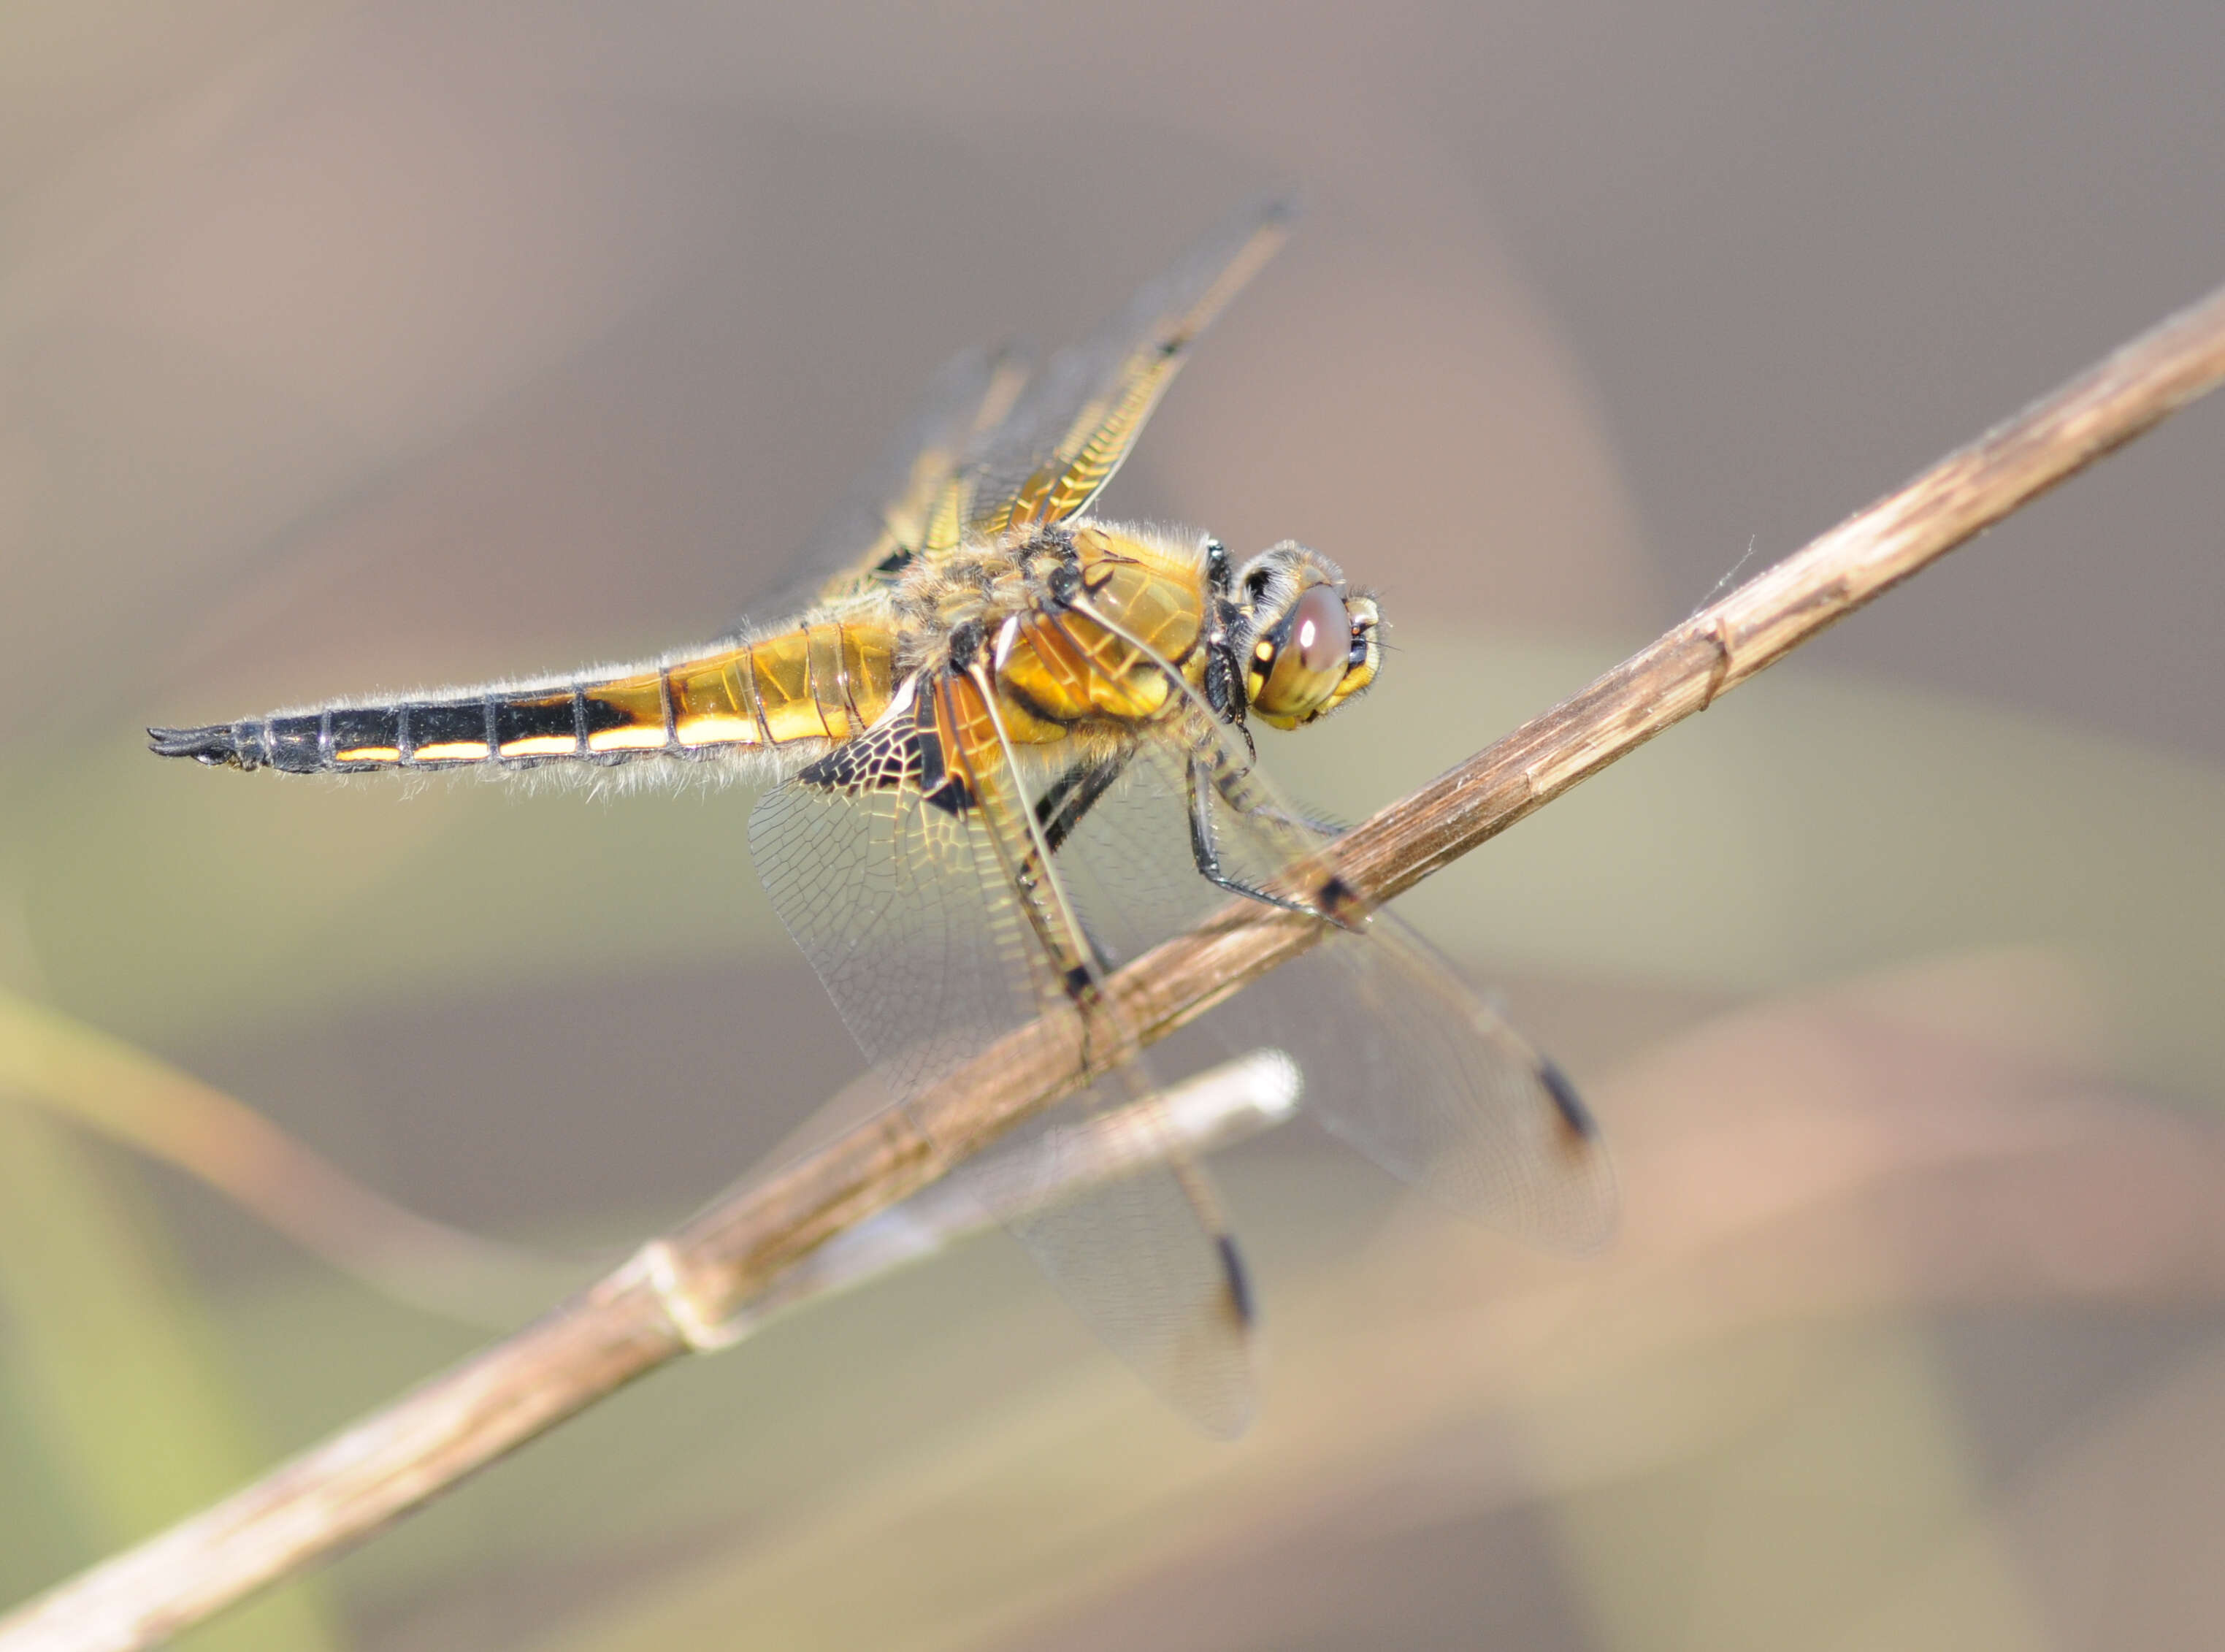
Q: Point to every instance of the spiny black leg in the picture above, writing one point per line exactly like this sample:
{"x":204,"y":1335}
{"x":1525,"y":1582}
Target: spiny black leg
{"x":1068,"y":799}
{"x":1223,"y":694}
{"x":1333,"y":901}
{"x":1206,"y":851}
{"x":1320,"y":826}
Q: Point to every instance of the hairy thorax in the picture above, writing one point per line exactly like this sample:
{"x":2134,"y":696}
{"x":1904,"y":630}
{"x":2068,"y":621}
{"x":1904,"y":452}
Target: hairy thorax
{"x":1066,"y":622}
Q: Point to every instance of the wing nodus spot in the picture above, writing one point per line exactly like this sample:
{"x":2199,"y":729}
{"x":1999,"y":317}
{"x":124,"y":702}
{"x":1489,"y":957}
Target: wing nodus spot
{"x":890,"y":758}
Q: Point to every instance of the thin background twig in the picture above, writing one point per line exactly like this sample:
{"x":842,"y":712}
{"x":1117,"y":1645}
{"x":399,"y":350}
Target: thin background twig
{"x":703,"y":1274}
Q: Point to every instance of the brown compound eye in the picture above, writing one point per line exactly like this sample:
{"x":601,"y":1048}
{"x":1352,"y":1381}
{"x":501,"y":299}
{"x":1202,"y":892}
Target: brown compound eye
{"x":1310,"y":652}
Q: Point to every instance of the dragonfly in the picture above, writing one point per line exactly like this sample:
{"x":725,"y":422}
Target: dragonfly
{"x":1005,"y":746}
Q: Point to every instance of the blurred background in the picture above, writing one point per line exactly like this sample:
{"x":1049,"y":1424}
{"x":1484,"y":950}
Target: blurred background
{"x":350,"y":348}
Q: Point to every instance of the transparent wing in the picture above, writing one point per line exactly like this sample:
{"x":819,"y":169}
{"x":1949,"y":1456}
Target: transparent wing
{"x":906,"y":910}
{"x":882,"y":520}
{"x":1401,"y":1059}
{"x":1071,"y":426}
{"x":978,"y":452}
{"x":1428,"y":1080}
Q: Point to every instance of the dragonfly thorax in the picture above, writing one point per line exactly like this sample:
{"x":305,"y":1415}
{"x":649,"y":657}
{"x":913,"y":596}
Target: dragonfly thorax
{"x":1094,"y":622}
{"x":945,"y":605}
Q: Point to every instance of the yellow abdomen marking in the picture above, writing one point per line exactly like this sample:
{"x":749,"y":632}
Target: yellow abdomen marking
{"x":822,"y":681}
{"x":714,"y":701}
{"x":630,"y":713}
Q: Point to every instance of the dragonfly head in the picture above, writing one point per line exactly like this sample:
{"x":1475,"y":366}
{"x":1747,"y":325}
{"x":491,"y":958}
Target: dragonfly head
{"x":1307,"y":643}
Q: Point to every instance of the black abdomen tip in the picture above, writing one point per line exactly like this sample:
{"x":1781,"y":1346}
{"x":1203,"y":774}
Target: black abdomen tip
{"x":218,"y":745}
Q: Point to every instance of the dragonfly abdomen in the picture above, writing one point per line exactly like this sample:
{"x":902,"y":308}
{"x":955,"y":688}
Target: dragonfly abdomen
{"x":819,"y":682}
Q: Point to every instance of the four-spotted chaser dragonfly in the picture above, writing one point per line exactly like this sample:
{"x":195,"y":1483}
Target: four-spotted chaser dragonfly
{"x":1009,"y":747}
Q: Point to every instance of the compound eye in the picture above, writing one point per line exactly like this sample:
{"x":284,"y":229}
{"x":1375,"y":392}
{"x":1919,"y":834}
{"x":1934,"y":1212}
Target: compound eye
{"x":1311,"y":656}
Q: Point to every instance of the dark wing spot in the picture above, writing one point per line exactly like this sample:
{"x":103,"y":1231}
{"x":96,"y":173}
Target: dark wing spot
{"x":1238,"y":1279}
{"x":886,"y":759}
{"x":1338,"y":902}
{"x":1576,"y":1117}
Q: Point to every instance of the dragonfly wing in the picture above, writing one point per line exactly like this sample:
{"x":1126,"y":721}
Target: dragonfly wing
{"x":883,"y":519}
{"x":1402,"y":1058}
{"x":1074,"y":425}
{"x":1142,"y":1256}
{"x":981,"y":452}
{"x":905,"y":908}
{"x":1431,"y":1083}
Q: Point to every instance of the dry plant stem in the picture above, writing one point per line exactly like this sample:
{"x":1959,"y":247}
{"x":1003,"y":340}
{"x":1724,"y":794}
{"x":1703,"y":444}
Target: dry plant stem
{"x":339,"y":1491}
{"x":1218,"y":1107}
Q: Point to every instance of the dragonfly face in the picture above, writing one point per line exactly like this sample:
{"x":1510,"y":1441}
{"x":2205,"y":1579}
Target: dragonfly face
{"x":1008,"y":751}
{"x":1307,"y":645}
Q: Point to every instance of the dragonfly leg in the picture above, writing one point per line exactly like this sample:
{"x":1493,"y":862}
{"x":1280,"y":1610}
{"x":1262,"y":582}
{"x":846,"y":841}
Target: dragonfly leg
{"x":1333,"y":901}
{"x":1063,"y":804}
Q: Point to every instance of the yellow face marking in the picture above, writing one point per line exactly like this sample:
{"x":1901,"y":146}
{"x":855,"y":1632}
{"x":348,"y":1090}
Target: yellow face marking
{"x":541,"y":745}
{"x":625,"y":739}
{"x":368,"y":754}
{"x":713,"y":730}
{"x":454,"y":750}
